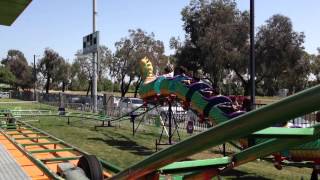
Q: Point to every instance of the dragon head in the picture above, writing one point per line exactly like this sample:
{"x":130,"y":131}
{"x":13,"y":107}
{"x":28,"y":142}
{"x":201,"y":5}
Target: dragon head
{"x":146,"y":70}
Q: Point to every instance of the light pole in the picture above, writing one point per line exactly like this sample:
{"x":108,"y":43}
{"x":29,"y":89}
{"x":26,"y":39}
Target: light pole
{"x":34,"y":77}
{"x":252,"y":58}
{"x":94,"y":61}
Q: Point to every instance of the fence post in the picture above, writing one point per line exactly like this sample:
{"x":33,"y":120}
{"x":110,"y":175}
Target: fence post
{"x":105,"y":108}
{"x":318,"y":116}
{"x":61,"y":100}
{"x":35,"y":95}
{"x":106,"y":99}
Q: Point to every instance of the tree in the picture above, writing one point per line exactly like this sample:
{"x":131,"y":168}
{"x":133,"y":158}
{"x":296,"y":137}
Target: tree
{"x":217,"y":43}
{"x":6,"y":76}
{"x":17,"y":64}
{"x":47,"y":66}
{"x":315,"y":66}
{"x":81,"y":70}
{"x":129,"y":51}
{"x":280,"y":56}
{"x":105,"y":59}
{"x":216,"y":39}
{"x":105,"y":85}
{"x":62,"y":73}
{"x":78,"y":78}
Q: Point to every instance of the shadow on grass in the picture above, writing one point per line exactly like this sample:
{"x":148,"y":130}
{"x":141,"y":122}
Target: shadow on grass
{"x":236,"y":174}
{"x":123,"y":143}
{"x":303,"y":164}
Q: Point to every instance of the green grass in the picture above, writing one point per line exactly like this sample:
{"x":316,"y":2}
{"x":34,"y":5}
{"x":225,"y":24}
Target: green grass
{"x":118,"y":146}
{"x":8,"y":100}
{"x":114,"y":144}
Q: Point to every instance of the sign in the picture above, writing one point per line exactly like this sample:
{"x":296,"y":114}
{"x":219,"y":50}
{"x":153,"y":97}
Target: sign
{"x":190,"y":127}
{"x":91,"y":43}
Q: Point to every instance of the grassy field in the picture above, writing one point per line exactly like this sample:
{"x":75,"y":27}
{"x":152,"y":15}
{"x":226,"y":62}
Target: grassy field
{"x":118,"y":146}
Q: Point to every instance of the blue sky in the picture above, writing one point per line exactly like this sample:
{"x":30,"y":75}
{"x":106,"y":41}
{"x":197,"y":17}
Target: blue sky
{"x":61,"y":24}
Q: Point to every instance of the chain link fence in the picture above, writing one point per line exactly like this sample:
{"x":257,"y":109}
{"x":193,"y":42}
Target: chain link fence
{"x":109,"y":105}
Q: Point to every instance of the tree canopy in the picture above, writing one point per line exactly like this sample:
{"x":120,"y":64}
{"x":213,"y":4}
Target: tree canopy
{"x":280,"y":56}
{"x":6,"y":76}
{"x":129,"y":51}
{"x":49,"y":66}
{"x":216,"y":37}
{"x":17,"y":64}
{"x":217,"y":43}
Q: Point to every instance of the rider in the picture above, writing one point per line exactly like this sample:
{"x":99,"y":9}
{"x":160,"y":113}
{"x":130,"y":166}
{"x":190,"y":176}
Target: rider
{"x":168,"y":71}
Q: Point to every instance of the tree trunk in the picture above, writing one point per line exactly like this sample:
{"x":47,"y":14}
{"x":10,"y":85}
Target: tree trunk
{"x":245,"y":84}
{"x":48,"y":84}
{"x":137,"y":87}
{"x":89,"y":87}
{"x":124,"y":87}
{"x":63,"y":86}
{"x":122,"y":90}
{"x":246,"y":88}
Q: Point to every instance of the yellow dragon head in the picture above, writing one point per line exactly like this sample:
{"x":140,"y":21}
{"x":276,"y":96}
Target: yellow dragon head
{"x":146,"y":70}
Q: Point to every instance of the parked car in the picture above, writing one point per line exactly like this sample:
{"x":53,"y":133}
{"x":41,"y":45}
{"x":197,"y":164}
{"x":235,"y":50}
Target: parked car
{"x":162,"y":110}
{"x":4,"y":95}
{"x":299,"y":122}
{"x":127,"y":105}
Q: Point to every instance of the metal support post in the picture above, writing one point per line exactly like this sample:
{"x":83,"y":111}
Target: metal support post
{"x":252,"y":57}
{"x":94,"y":63}
{"x":133,"y":119}
{"x":35,"y":78}
{"x":170,"y":121}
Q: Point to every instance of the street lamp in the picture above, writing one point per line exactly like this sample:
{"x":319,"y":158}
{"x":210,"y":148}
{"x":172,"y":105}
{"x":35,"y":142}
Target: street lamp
{"x":34,"y":77}
{"x":252,"y":57}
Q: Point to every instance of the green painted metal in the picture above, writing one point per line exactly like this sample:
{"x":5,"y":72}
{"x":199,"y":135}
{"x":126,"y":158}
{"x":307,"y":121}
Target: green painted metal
{"x":23,"y":113}
{"x":217,"y":116}
{"x":42,"y":143}
{"x":113,"y":168}
{"x":314,"y":145}
{"x":197,"y":174}
{"x":8,"y":127}
{"x":60,"y":159}
{"x":284,"y":132}
{"x":7,"y":124}
{"x":20,"y":129}
{"x":294,"y":106}
{"x":24,"y":134}
{"x":252,"y":153}
{"x":40,"y":164}
{"x":51,"y":150}
{"x":235,"y":145}
{"x":157,"y":84}
{"x":108,"y":166}
{"x":38,"y":137}
{"x":83,"y":115}
{"x":188,"y":165}
{"x":273,"y":145}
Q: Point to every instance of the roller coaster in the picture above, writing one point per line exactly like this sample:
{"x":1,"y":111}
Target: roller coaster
{"x":30,"y":153}
{"x":254,"y":130}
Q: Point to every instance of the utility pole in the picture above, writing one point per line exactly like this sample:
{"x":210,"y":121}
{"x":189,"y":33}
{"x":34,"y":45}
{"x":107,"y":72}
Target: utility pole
{"x":35,"y":78}
{"x":94,"y":61}
{"x":252,"y":58}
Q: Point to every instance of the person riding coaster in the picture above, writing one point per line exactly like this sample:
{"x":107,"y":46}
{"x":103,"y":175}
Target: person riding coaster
{"x":165,"y":85}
